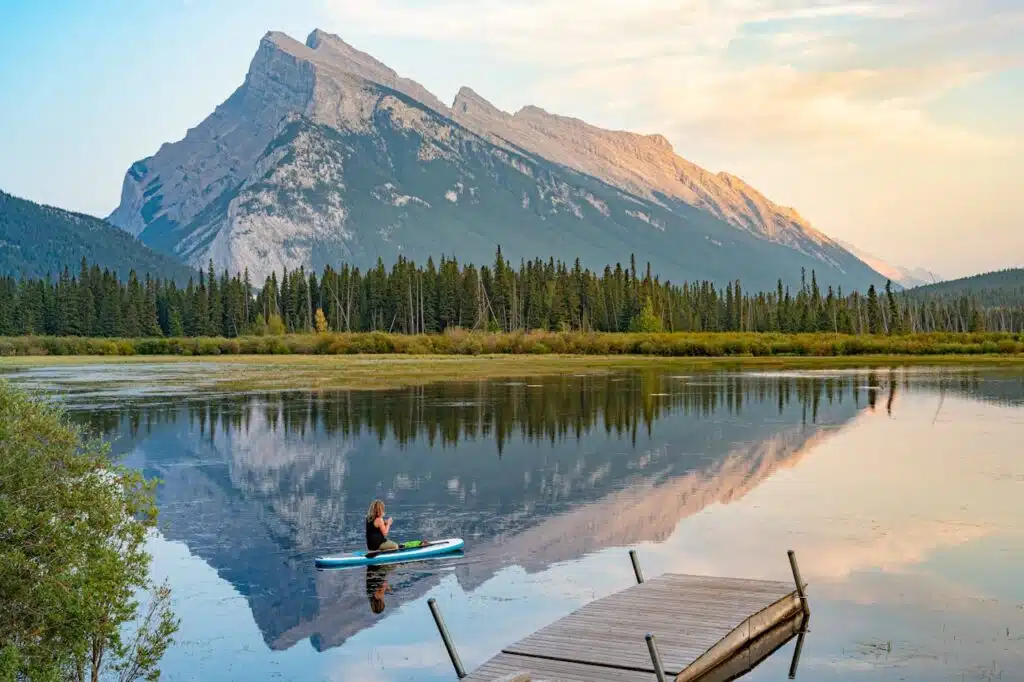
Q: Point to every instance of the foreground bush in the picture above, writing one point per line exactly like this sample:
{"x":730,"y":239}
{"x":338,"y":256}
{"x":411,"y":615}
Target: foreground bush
{"x":460,"y":342}
{"x":73,"y":528}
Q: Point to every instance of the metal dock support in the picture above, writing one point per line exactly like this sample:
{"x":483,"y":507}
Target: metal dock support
{"x":659,"y":667}
{"x":636,"y":566}
{"x":452,"y":653}
{"x":798,"y":580}
{"x":799,"y":646}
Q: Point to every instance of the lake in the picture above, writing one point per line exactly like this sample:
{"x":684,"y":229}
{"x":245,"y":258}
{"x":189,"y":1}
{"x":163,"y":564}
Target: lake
{"x":901,"y":492}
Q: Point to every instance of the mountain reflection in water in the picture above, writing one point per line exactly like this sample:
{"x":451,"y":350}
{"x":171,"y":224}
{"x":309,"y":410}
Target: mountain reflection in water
{"x":531,"y":473}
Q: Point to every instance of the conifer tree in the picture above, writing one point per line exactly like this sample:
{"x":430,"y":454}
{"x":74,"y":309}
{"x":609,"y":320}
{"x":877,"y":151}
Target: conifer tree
{"x":874,"y":311}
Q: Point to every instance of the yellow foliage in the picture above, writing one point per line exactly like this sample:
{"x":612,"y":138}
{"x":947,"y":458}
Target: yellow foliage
{"x":320,"y":320}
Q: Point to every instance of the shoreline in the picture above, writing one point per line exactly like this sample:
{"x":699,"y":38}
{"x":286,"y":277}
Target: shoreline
{"x":382,"y":371}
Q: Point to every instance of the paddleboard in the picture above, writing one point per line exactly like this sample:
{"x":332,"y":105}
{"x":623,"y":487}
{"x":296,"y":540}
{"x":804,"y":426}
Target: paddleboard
{"x":425,"y":550}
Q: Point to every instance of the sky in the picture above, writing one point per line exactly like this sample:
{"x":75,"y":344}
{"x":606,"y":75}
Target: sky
{"x":894,"y":125}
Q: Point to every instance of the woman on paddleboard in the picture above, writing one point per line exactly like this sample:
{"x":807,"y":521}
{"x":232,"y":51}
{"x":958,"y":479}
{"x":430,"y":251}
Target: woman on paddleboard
{"x":377,"y":528}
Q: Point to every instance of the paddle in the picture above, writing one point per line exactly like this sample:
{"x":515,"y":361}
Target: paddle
{"x":412,"y":544}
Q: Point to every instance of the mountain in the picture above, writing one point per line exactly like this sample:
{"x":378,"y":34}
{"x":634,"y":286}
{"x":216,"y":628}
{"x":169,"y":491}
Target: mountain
{"x":324,"y":155}
{"x":36,"y":240}
{"x":998,"y":288}
{"x":903,"y":276}
{"x":644,"y":165}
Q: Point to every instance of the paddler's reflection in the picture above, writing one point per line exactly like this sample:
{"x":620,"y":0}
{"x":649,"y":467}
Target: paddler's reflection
{"x":377,"y":586}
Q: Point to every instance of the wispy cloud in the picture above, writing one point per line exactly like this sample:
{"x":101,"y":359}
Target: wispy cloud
{"x":810,"y":78}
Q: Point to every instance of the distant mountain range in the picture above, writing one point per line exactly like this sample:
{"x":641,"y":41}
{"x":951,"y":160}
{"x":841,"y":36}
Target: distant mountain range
{"x":903,"y":276}
{"x":36,"y":240}
{"x":325,"y":155}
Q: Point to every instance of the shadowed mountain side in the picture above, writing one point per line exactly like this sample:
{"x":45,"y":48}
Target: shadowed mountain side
{"x":648,"y":510}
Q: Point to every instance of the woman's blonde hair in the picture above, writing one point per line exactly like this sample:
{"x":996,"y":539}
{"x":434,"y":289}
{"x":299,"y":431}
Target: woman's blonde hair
{"x":376,"y":509}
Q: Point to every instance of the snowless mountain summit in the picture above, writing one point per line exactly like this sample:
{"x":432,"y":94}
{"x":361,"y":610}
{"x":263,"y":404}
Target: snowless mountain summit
{"x":326,"y":155}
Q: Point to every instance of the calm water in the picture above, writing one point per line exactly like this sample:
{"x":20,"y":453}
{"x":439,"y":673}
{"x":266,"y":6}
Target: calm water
{"x":902,"y":494}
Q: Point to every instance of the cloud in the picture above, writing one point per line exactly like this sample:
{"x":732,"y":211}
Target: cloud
{"x":775,"y":72}
{"x":863,"y":111}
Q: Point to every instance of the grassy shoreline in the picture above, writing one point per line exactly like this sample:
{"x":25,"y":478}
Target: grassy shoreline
{"x":463,"y":343}
{"x":261,"y":372}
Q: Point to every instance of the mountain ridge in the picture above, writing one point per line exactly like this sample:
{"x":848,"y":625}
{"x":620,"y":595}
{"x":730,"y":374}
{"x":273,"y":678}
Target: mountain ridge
{"x":38,"y":239}
{"x":544,"y":177}
{"x":995,"y":288}
{"x":661,"y":170}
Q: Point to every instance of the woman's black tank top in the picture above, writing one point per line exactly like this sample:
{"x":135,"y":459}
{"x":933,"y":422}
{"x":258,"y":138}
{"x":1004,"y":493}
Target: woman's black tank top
{"x":374,"y":538}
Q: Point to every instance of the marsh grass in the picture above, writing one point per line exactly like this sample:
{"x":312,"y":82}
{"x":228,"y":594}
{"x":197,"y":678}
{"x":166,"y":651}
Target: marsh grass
{"x":371,"y":361}
{"x":459,"y":342}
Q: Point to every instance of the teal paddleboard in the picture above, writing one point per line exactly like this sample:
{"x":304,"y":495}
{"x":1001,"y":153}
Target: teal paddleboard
{"x":412,"y":551}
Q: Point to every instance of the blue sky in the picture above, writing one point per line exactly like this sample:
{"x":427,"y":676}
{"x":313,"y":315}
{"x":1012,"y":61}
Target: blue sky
{"x":892,"y":124}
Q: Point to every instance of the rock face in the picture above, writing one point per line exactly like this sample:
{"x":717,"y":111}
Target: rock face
{"x":325,"y":155}
{"x":645,"y":165}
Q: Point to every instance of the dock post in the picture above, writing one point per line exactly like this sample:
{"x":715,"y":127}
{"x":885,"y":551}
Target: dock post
{"x":799,"y":647}
{"x":636,"y":566}
{"x":659,"y":668}
{"x":434,"y":611}
{"x":798,"y":580}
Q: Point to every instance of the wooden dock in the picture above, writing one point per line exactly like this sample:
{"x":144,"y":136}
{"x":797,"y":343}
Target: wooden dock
{"x":701,"y":626}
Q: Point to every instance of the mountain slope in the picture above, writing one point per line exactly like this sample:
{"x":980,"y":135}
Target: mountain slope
{"x":36,"y":240}
{"x":1002,"y":287}
{"x":645,"y":165}
{"x":324,"y":154}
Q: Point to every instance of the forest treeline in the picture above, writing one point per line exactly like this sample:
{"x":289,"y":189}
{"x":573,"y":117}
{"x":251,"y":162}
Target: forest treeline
{"x":1000,"y":288}
{"x":431,"y":298}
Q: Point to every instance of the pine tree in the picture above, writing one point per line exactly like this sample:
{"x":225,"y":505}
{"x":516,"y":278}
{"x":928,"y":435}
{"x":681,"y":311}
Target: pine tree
{"x":895,"y":325}
{"x":646,"y":320}
{"x":176,"y":328}
{"x":214,"y":303}
{"x":874,"y":311}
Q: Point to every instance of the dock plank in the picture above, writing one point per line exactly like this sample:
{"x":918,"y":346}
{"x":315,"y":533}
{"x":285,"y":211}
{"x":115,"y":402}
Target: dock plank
{"x":604,"y":640}
{"x":504,"y":665}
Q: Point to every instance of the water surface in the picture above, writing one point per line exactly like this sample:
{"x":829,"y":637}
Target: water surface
{"x":901,"y":492}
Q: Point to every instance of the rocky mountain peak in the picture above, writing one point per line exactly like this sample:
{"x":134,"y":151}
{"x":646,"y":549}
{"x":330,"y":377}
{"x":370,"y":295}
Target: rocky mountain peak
{"x":659,"y":140}
{"x":336,"y":63}
{"x":318,"y":37}
{"x":469,"y":102}
{"x":325,"y":152}
{"x":275,"y":42}
{"x":532,"y":111}
{"x":331,"y":49}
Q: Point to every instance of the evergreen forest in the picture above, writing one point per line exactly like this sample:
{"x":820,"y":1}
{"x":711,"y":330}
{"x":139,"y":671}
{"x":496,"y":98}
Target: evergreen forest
{"x":435,"y":297}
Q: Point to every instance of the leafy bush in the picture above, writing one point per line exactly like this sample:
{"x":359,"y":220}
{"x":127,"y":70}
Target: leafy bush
{"x":74,"y":528}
